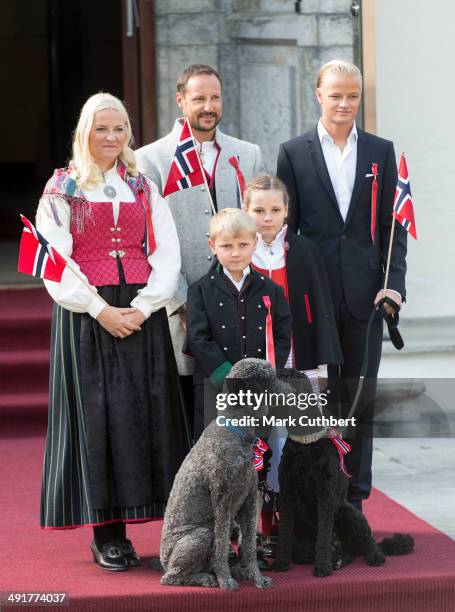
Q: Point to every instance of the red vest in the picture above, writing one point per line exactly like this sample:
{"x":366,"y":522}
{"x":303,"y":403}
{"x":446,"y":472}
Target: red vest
{"x":97,"y":247}
{"x":279,"y":276}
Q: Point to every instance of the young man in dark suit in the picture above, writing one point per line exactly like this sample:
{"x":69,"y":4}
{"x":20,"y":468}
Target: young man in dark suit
{"x":329,"y":174}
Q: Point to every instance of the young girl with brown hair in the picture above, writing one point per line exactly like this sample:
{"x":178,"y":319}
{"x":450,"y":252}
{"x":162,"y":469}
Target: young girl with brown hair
{"x":293,"y":262}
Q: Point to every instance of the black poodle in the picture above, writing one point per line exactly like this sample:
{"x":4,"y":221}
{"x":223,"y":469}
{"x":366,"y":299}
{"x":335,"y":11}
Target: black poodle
{"x":317,"y":523}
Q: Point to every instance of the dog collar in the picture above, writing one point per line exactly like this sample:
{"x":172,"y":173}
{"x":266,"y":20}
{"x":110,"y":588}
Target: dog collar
{"x":259,"y":446}
{"x":238,"y":430}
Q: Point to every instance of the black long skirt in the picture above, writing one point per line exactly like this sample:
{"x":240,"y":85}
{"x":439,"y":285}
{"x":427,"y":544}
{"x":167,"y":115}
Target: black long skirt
{"x":117,"y":430}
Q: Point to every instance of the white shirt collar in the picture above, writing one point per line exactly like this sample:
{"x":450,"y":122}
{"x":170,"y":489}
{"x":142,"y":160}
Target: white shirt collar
{"x":238,"y":284}
{"x":323,"y":133}
{"x":279,"y":238}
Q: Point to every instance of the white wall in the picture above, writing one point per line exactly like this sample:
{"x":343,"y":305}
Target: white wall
{"x":415,"y":85}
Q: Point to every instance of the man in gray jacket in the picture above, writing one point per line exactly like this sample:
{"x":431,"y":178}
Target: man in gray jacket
{"x":227,"y":162}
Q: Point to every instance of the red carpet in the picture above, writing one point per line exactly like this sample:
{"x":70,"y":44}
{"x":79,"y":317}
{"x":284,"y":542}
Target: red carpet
{"x":25,"y":320}
{"x":59,"y":561}
{"x":36,"y":560}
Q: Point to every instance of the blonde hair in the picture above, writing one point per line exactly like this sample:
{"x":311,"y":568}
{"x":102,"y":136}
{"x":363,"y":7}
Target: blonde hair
{"x":231,"y":221}
{"x":88,"y":172}
{"x":338,"y":66}
{"x":265,"y":182}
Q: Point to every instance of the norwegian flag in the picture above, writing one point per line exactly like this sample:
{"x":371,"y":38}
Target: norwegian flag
{"x":37,"y":257}
{"x":403,"y":210}
{"x":185,"y":168}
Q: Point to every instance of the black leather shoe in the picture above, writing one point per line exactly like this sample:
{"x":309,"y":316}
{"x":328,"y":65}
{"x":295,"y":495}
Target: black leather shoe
{"x":110,"y":557}
{"x":269,"y":546}
{"x":131,"y":556}
{"x":260,"y":557}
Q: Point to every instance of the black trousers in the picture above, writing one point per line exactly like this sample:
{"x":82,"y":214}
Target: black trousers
{"x":343,"y":382}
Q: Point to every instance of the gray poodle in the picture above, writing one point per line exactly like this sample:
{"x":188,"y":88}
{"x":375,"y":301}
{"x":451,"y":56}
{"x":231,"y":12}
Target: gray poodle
{"x":217,"y":482}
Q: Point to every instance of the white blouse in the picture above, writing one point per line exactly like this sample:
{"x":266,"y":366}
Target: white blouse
{"x":71,"y":293}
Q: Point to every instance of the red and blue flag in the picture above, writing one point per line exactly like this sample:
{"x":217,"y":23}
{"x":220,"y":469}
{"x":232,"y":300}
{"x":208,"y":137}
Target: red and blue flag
{"x":403,"y":209}
{"x":37,"y":257}
{"x":185,"y":171}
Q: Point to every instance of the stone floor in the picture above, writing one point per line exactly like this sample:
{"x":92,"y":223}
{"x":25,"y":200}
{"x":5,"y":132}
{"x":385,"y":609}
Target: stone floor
{"x":419,"y":473}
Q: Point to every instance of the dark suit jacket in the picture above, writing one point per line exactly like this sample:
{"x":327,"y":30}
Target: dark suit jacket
{"x":314,"y":331}
{"x":213,"y":323}
{"x":355,"y":266}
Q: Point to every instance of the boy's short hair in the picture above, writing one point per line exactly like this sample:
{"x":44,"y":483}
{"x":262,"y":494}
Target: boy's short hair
{"x":232,"y":221}
{"x":337,"y":66}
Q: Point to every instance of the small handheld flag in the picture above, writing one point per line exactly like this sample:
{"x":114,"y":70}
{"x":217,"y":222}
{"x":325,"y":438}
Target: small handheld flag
{"x":185,"y":170}
{"x":37,"y":257}
{"x":403,"y":209}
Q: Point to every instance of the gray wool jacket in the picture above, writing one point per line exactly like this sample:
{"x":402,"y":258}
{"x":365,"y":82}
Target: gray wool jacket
{"x":192,"y":212}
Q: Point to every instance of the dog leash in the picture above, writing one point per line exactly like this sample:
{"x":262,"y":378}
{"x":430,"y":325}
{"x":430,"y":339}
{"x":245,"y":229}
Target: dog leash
{"x":395,"y":337}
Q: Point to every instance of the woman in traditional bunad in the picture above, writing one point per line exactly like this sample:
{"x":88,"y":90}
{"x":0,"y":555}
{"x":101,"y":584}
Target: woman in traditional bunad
{"x":117,"y":432}
{"x":293,"y":262}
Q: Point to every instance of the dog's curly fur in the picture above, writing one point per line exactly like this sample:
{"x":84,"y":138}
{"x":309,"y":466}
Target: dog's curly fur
{"x":216,"y":482}
{"x":314,"y":506}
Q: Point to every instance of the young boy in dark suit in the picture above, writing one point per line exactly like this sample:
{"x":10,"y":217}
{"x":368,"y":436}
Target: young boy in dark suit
{"x":228,"y":307}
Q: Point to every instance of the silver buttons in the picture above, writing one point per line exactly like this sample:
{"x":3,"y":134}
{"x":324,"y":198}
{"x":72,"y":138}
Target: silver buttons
{"x":259,"y":305}
{"x":112,"y":229}
{"x":242,"y":300}
{"x":244,"y":337}
{"x":212,"y":277}
{"x":207,"y":234}
{"x":113,"y":253}
{"x":225,"y":348}
{"x":202,"y":188}
{"x":206,"y":211}
{"x":209,"y":257}
{"x":221,"y":303}
{"x":259,"y":350}
{"x":243,"y":317}
{"x":260,"y":327}
{"x":223,"y":327}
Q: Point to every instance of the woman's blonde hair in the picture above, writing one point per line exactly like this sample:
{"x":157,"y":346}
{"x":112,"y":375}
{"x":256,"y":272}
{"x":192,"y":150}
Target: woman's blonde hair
{"x":338,"y":66}
{"x":231,"y":221}
{"x":265,"y":182}
{"x":88,"y":171}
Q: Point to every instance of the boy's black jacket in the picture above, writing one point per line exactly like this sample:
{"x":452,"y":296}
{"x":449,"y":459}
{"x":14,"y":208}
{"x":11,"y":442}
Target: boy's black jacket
{"x":214,"y":323}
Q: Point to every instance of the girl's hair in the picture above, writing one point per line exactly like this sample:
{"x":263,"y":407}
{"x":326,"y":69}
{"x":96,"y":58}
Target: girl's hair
{"x":265,"y":182}
{"x":88,"y":172}
{"x":233,"y":222}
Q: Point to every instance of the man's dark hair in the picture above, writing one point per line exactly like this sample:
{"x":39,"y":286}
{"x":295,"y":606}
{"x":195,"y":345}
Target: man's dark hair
{"x":194,"y":70}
